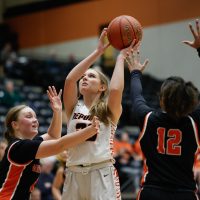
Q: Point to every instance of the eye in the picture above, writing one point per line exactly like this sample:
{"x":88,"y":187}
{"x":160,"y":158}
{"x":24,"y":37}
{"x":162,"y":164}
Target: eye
{"x":92,"y":76}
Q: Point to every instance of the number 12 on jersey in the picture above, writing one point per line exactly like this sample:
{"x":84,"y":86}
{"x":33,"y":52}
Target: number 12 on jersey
{"x":169,"y":142}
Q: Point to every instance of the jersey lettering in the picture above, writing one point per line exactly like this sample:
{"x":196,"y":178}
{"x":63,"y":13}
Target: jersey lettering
{"x":84,"y":125}
{"x":81,"y":116}
{"x":173,"y":140}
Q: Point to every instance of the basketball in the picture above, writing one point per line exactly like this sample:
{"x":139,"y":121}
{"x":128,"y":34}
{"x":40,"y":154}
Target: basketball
{"x":122,"y":30}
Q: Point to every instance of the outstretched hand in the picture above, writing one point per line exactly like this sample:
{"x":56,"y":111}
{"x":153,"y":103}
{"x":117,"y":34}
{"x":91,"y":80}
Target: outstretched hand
{"x":128,"y":49}
{"x":101,"y":46}
{"x":55,"y":99}
{"x":132,"y":57}
{"x":196,"y":34}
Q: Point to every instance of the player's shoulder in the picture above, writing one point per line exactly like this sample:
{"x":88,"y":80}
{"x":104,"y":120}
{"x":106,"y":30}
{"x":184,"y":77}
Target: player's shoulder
{"x":158,"y":116}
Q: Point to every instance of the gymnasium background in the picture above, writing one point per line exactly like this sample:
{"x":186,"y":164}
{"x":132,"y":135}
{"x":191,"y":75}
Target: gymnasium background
{"x":74,"y":29}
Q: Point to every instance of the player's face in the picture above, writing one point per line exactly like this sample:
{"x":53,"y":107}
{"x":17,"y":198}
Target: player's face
{"x":90,"y":82}
{"x":27,"y":123}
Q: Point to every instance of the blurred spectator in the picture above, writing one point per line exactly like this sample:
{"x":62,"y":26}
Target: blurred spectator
{"x":3,"y":145}
{"x":71,"y":63}
{"x":128,"y":158}
{"x":59,"y":176}
{"x":11,"y":96}
{"x":36,"y":194}
{"x":6,"y":51}
{"x":137,"y":152}
{"x":8,"y":58}
{"x":46,"y":177}
{"x":123,"y":144}
{"x":52,"y":64}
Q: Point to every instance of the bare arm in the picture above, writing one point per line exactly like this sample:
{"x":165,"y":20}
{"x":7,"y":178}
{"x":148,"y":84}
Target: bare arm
{"x":70,"y":87}
{"x":53,"y":147}
{"x":117,"y":85}
{"x":54,"y":130}
{"x":116,"y":89}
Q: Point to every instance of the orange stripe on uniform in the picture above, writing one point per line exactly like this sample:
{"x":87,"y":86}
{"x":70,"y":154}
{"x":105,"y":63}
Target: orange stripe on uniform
{"x":195,"y":131}
{"x":144,"y":126}
{"x":11,"y":182}
{"x":138,"y":195}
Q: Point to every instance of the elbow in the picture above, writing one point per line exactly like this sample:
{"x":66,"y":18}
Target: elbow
{"x":116,"y":90}
{"x":69,"y":80}
{"x":53,"y":136}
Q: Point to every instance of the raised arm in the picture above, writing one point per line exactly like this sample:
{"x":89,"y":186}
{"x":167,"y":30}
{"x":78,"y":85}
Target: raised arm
{"x":196,"y":34}
{"x":70,"y":88}
{"x":116,"y":89}
{"x":117,"y":85}
{"x":140,"y":107}
{"x":55,"y":128}
{"x":53,"y":147}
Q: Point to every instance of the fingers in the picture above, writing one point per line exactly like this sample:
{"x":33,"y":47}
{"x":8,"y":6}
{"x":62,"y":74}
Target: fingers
{"x":49,"y":95}
{"x":137,"y":45}
{"x":51,"y":92}
{"x":133,"y":60}
{"x":187,"y":42}
{"x":60,"y":93}
{"x":128,"y":61}
{"x":133,"y":43}
{"x":144,"y":64}
{"x":107,"y":45}
{"x":96,"y":123}
{"x":103,"y":34}
{"x":192,"y":30}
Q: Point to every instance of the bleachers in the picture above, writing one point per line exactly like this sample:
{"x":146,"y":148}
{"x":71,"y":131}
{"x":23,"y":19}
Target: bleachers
{"x":34,"y":97}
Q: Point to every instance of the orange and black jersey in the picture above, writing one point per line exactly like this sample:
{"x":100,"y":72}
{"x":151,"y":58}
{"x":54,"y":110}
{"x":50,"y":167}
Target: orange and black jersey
{"x":168,"y":146}
{"x":19,"y":170}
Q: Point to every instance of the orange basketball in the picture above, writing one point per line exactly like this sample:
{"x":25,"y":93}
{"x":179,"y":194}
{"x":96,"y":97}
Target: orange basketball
{"x":122,"y":30}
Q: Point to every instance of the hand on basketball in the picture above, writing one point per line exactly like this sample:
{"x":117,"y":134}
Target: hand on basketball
{"x":196,"y":34}
{"x":101,"y":46}
{"x":55,"y":99}
{"x":133,"y":45}
{"x":133,"y":59}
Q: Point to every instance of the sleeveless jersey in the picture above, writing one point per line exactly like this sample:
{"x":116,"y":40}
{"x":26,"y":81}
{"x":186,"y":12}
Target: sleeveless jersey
{"x":19,"y":170}
{"x":97,"y":148}
{"x":169,"y":146}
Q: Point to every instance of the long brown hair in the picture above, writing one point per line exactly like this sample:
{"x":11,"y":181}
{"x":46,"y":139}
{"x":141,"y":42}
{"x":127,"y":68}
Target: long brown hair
{"x":179,"y":98}
{"x":11,"y":116}
{"x":100,"y":108}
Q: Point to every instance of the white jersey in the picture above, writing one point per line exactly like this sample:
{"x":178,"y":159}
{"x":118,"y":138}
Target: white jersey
{"x":97,"y":148}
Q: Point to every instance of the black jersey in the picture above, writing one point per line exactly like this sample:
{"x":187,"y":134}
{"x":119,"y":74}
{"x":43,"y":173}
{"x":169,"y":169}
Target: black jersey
{"x":19,"y":170}
{"x":168,"y":146}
